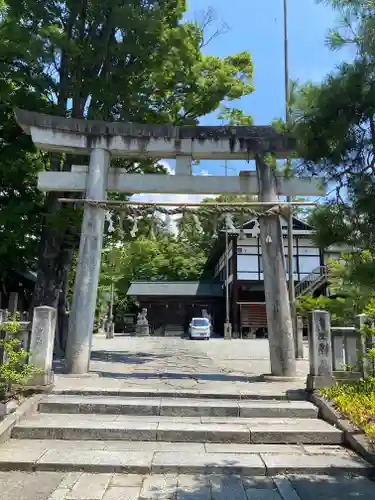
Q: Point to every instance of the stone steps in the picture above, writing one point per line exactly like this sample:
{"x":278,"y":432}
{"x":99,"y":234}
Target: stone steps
{"x":177,"y":429}
{"x":188,"y":407}
{"x":157,"y":433}
{"x":161,"y":458}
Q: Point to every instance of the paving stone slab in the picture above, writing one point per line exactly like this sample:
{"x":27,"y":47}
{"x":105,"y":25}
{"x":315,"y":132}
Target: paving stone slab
{"x":184,"y":463}
{"x":331,"y":487}
{"x":196,"y":486}
{"x":70,"y":480}
{"x":231,"y":487}
{"x":216,"y":433}
{"x":318,"y":464}
{"x":106,"y":405}
{"x":253,"y":448}
{"x":123,"y":480}
{"x":258,"y":482}
{"x":159,"y":488}
{"x":202,"y":407}
{"x":285,"y":488}
{"x":245,"y":421}
{"x":153,"y":446}
{"x":296,"y":432}
{"x":257,"y":494}
{"x":59,"y":494}
{"x":321,"y":449}
{"x":23,"y":460}
{"x":89,"y":487}
{"x":17,"y":485}
{"x":85,"y":429}
{"x":98,"y":461}
{"x":289,"y":409}
{"x":28,"y":451}
{"x":120,"y":493}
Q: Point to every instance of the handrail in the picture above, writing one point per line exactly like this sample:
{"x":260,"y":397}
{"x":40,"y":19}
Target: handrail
{"x":312,"y":281}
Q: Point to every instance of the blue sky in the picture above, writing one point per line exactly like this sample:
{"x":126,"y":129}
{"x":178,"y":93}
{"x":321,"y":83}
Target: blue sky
{"x":257,"y":26}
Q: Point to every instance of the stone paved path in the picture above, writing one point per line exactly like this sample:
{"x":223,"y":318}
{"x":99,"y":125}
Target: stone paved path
{"x":180,"y":364}
{"x":179,"y":367}
{"x":83,"y":486}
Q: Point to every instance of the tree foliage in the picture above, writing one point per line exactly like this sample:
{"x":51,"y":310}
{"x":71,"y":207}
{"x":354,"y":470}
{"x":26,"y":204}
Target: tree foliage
{"x":351,"y":287}
{"x":118,"y":60}
{"x":167,"y":257}
{"x":335,"y":129}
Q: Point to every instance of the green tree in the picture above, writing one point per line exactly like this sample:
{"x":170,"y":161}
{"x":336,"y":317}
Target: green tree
{"x":119,"y":60}
{"x":351,"y":287}
{"x":335,"y":130}
{"x":167,"y":257}
{"x":21,"y":204}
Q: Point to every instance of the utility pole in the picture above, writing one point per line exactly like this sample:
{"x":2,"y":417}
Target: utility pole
{"x":291,"y":289}
{"x":227,"y":326}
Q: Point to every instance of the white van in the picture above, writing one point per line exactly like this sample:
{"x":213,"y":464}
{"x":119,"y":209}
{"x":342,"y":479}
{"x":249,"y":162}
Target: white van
{"x":200,"y":328}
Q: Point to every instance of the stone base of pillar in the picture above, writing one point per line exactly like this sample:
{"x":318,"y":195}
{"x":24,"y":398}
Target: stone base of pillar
{"x":227,"y":331}
{"x":41,"y":381}
{"x":319,"y":382}
{"x":110,"y":333}
{"x":142,"y":330}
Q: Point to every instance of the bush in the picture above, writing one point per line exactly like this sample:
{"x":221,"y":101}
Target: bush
{"x":15,"y":372}
{"x":357,"y":402}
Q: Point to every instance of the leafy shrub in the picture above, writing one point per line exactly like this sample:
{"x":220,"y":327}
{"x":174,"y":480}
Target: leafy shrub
{"x":15,"y":372}
{"x":357,"y":402}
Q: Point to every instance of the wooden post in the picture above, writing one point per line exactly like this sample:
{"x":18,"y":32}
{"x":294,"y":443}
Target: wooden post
{"x":280,"y":330}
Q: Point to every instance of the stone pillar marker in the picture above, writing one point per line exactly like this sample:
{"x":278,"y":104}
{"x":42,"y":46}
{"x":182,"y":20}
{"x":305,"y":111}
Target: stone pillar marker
{"x":299,"y":338}
{"x":320,"y":350}
{"x":41,"y":345}
{"x":366,"y":343}
{"x":81,"y":323}
{"x":280,"y":330}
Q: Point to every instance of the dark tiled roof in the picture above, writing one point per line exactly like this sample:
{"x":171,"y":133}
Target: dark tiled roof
{"x":175,"y":288}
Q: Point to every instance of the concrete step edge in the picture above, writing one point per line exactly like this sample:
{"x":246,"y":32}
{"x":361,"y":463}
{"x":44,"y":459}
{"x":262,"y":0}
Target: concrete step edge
{"x":293,"y":395}
{"x":212,"y":433}
{"x":171,"y":462}
{"x":185,"y":407}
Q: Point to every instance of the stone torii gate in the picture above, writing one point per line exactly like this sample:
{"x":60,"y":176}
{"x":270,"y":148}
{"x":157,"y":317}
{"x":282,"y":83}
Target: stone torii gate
{"x":102,"y":140}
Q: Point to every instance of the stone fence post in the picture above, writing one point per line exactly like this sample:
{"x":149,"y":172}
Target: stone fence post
{"x":299,"y":338}
{"x":367,"y":342}
{"x":320,"y":350}
{"x":41,"y":346}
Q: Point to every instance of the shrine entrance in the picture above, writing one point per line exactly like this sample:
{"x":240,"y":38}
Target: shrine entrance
{"x":101,"y":141}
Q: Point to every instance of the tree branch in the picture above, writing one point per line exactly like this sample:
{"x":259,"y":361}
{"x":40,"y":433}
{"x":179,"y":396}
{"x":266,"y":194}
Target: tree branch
{"x":204,"y":21}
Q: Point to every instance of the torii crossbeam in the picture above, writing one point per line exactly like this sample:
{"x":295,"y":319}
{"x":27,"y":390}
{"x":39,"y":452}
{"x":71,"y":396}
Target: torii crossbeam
{"x":103,"y":140}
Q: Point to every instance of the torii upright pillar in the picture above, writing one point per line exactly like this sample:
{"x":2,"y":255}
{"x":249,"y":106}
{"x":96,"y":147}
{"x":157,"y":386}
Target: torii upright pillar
{"x":101,"y":140}
{"x":81,"y":320}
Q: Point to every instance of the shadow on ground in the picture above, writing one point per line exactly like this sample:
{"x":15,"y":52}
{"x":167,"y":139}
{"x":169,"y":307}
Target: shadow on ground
{"x":215,"y":377}
{"x":331,"y":486}
{"x":125,"y":357}
{"x":41,"y":485}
